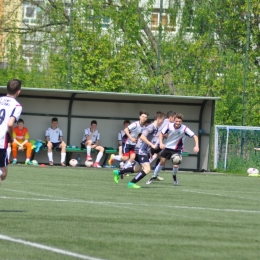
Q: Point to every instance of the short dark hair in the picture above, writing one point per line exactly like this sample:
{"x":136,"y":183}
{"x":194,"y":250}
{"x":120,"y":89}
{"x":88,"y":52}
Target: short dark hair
{"x":54,"y":119}
{"x":180,"y":116}
{"x":127,"y":122}
{"x":159,"y":114}
{"x":20,"y":121}
{"x":170,"y":113}
{"x":13,"y":86}
{"x":93,"y":122}
{"x":143,"y":112}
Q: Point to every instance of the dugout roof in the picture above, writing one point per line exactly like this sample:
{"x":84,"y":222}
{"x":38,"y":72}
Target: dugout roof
{"x":75,"y":107}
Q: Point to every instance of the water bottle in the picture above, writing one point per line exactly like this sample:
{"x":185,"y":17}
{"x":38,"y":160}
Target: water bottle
{"x":78,"y":159}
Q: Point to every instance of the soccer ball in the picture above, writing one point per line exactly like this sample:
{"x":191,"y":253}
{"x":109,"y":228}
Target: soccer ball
{"x":88,"y":163}
{"x":73,"y":162}
{"x":176,"y":158}
{"x":34,"y":162}
{"x":252,"y":172}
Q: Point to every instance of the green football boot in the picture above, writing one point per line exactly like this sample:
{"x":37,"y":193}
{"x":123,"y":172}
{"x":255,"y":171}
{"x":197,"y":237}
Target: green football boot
{"x":132,"y":185}
{"x":116,"y":176}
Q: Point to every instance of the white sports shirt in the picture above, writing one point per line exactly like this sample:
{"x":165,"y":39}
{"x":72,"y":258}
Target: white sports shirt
{"x":121,"y":136}
{"x":149,"y":132}
{"x":134,"y":129}
{"x":54,"y":134}
{"x":175,"y":139}
{"x":9,"y":107}
{"x":95,"y":136}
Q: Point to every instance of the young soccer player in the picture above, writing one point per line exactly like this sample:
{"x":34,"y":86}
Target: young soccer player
{"x":142,"y":149}
{"x":132,"y":132}
{"x":10,"y":111}
{"x":21,"y":142}
{"x":121,"y":139}
{"x":90,"y":140}
{"x":176,"y":133}
{"x":54,"y":140}
{"x":155,"y":153}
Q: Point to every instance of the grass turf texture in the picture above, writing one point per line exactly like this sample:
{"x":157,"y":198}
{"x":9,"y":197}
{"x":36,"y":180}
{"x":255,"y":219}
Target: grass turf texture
{"x":82,"y":211}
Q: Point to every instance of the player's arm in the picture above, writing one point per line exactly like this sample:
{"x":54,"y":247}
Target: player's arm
{"x":162,"y":146}
{"x":10,"y":125}
{"x":119,"y":139}
{"x":129,"y":136}
{"x":144,"y":139}
{"x":196,"y":140}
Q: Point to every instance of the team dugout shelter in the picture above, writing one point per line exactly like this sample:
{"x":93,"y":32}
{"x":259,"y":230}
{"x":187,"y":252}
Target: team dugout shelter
{"x":75,"y":109}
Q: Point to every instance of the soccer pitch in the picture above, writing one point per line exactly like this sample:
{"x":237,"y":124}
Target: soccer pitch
{"x":80,"y":213}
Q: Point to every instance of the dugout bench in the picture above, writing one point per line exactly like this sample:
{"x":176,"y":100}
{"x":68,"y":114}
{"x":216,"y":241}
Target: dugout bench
{"x":72,"y":149}
{"x":107,"y":152}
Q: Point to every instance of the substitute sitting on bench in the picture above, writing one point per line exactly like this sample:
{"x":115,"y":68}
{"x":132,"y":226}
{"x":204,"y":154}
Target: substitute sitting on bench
{"x":20,"y":143}
{"x":54,"y":140}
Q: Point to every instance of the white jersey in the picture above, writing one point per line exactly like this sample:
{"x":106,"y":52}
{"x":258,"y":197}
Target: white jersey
{"x":135,"y":130}
{"x":149,"y":132}
{"x":175,"y":139}
{"x":121,"y":136}
{"x":54,"y":134}
{"x":95,"y":137}
{"x":9,"y":107}
{"x":155,"y":139}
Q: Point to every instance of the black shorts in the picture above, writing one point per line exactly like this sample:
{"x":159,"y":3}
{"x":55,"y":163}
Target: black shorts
{"x":141,"y":159}
{"x":157,"y":150}
{"x":167,"y":153}
{"x":83,"y":144}
{"x":3,"y":158}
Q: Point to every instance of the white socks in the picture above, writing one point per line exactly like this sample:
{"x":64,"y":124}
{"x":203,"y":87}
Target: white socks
{"x":157,"y":170}
{"x":99,"y":156}
{"x":88,"y":150}
{"x":8,"y":152}
{"x":63,"y":157}
{"x":50,"y":157}
{"x":117,"y":157}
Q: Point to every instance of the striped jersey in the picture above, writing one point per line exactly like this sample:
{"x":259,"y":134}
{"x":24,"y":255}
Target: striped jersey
{"x":175,"y":139}
{"x":150,"y":133}
{"x":135,"y":130}
{"x":121,"y":136}
{"x":54,"y":134}
{"x":9,"y":107}
{"x":95,"y":137}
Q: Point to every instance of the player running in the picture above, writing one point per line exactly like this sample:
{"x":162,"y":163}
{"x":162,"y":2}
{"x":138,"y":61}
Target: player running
{"x":142,"y":149}
{"x":174,"y":145}
{"x":132,"y":132}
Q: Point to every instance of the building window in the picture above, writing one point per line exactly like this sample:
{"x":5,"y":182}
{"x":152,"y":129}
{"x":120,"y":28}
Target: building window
{"x":168,"y":23}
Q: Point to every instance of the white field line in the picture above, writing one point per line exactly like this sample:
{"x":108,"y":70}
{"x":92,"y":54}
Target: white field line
{"x":47,"y":248}
{"x":108,"y":203}
{"x":219,"y":195}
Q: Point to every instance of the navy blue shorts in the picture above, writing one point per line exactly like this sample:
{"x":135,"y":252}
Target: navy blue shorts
{"x":141,"y":159}
{"x":3,"y":158}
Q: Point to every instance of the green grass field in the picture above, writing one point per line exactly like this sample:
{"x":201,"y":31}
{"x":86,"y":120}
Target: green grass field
{"x":79,"y":213}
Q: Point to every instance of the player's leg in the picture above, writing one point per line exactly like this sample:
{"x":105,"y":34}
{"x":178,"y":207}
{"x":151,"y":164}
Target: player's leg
{"x":145,"y":170}
{"x":28,"y":147}
{"x":88,"y":147}
{"x":14,"y":152}
{"x":3,"y":164}
{"x":132,"y":169}
{"x":119,"y":157}
{"x":50,"y":153}
{"x":157,"y":170}
{"x":9,"y":149}
{"x":175,"y":171}
{"x":101,"y":150}
{"x":62,"y":146}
